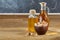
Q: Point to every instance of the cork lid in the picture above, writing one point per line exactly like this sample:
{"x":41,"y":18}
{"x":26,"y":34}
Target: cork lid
{"x":33,"y":11}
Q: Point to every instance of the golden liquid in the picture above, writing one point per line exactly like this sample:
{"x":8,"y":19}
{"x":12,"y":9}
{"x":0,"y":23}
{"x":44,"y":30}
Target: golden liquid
{"x":31,"y":22}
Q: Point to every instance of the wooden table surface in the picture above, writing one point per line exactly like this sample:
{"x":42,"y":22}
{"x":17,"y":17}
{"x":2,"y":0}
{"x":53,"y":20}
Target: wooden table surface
{"x":14,"y":28}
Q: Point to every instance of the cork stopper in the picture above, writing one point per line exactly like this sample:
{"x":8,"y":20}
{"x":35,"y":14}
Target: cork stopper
{"x":32,"y":11}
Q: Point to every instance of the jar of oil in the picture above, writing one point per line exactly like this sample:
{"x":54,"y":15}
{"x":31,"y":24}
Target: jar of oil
{"x":32,"y":19}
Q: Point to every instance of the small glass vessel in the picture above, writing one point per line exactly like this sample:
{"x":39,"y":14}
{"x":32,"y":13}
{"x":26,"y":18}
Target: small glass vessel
{"x":41,"y":26}
{"x":32,"y":19}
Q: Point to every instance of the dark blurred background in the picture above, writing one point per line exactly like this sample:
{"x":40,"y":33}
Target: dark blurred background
{"x":23,"y":6}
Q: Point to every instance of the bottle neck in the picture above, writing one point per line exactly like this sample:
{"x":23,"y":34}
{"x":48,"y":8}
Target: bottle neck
{"x":43,"y":12}
{"x":32,"y":14}
{"x":43,"y":7}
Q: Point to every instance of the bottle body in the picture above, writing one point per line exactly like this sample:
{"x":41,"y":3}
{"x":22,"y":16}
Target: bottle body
{"x":31,"y":22}
{"x":31,"y":25}
{"x":32,"y":19}
{"x":42,"y":25}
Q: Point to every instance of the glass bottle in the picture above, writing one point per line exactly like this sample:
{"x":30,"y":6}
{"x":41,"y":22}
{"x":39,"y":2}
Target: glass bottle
{"x":32,"y":19}
{"x":41,"y":26}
